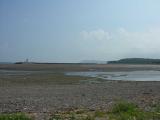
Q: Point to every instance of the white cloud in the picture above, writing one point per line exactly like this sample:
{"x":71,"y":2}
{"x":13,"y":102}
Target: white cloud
{"x":146,"y":41}
{"x":96,"y":35}
{"x":123,"y":43}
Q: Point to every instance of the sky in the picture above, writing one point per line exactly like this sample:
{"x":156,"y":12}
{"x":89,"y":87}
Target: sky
{"x":75,"y":30}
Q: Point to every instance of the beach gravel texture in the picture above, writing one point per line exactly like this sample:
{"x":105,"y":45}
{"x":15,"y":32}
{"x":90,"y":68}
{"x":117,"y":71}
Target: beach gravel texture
{"x":42,"y":98}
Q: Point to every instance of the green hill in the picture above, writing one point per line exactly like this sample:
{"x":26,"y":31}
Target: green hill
{"x":135,"y":61}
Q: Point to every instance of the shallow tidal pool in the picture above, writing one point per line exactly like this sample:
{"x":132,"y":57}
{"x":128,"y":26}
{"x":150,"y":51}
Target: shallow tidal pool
{"x":126,"y":75}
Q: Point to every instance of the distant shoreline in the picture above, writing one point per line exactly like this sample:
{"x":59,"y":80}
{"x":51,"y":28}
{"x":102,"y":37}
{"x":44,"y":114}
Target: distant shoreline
{"x":135,"y":61}
{"x":132,"y":61}
{"x":61,"y":67}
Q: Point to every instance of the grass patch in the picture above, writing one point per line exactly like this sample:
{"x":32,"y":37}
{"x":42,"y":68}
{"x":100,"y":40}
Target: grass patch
{"x":120,"y":111}
{"x":124,"y":107}
{"x":156,"y":108}
{"x":15,"y":116}
{"x":99,"y":113}
{"x":129,"y":111}
{"x":73,"y":115}
{"x":41,"y":78}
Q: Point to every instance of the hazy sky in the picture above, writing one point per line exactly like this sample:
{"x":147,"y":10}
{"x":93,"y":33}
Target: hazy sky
{"x":75,"y":30}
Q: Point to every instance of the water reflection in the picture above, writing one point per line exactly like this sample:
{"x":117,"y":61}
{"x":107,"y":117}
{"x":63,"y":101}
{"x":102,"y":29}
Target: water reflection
{"x":130,"y":75}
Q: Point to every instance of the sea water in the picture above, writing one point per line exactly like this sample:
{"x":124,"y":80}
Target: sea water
{"x":126,"y":75}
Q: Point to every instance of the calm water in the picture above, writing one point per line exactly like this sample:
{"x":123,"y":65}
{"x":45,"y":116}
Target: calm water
{"x":130,"y":76}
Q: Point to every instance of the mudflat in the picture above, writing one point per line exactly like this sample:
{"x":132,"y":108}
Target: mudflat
{"x":79,"y":67}
{"x":44,"y":88}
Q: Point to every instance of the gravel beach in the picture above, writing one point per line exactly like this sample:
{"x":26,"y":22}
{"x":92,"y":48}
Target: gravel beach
{"x":44,"y":98}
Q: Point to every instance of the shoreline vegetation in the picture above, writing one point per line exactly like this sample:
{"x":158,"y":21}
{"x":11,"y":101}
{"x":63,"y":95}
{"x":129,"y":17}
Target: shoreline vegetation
{"x":121,"y":110}
{"x":135,"y":61}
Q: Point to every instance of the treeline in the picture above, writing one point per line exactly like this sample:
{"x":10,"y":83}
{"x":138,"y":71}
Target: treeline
{"x":135,"y":61}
